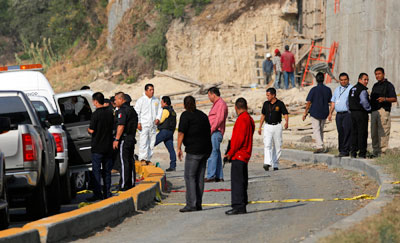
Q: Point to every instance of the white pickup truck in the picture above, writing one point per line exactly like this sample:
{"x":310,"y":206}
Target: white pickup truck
{"x":76,"y":109}
{"x":4,"y":206}
{"x":31,"y":169}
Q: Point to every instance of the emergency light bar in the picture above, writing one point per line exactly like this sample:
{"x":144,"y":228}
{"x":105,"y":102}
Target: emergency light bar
{"x":21,"y":67}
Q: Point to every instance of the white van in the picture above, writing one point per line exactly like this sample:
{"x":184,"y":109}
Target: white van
{"x":75,"y":107}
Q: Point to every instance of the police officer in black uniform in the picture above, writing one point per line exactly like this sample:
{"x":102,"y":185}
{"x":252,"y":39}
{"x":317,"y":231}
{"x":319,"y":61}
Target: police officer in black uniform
{"x":359,"y":106}
{"x":127,"y":121}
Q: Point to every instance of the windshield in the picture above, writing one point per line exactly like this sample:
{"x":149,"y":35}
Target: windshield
{"x":41,"y":110}
{"x":14,"y":108}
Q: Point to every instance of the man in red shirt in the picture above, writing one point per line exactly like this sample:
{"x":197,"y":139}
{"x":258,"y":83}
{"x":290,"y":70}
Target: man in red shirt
{"x":240,"y":153}
{"x":288,"y":67}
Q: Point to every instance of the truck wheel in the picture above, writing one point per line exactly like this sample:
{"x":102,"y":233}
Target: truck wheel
{"x":5,"y":212}
{"x":53,"y":193}
{"x":65,"y":184}
{"x":37,"y":203}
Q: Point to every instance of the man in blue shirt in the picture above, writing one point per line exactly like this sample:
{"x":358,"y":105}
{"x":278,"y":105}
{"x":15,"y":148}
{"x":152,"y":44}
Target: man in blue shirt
{"x":318,"y":100}
{"x":267,"y":67}
{"x":340,"y":104}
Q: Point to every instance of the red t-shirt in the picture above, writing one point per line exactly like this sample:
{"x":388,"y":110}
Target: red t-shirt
{"x":242,"y":138}
{"x":287,"y":60}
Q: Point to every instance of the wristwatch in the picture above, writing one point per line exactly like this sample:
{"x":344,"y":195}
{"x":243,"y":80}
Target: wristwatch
{"x":116,"y":140}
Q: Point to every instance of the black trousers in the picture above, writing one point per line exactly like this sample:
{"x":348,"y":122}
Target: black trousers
{"x":359,"y":134}
{"x":127,"y":170}
{"x":239,"y":183}
{"x":344,"y":127}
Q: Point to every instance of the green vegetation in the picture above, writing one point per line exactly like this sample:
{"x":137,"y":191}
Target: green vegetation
{"x":384,"y":227}
{"x":53,"y":26}
{"x":154,"y":48}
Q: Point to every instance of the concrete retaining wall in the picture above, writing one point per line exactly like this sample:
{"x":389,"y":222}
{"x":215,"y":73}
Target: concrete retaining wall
{"x":368,"y":32}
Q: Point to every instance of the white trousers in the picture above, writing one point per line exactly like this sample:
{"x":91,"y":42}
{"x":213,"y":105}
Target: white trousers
{"x":272,"y":144}
{"x":147,"y":139}
{"x":318,"y":131}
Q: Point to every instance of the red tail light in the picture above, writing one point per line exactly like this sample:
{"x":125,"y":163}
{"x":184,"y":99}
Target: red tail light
{"x":59,"y":142}
{"x":29,"y":149}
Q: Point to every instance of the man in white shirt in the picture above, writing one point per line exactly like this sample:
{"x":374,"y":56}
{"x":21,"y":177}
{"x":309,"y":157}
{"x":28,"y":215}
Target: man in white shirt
{"x":149,"y":114}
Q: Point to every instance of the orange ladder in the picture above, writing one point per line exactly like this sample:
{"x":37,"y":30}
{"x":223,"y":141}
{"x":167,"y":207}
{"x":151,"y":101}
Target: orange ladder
{"x":331,"y":59}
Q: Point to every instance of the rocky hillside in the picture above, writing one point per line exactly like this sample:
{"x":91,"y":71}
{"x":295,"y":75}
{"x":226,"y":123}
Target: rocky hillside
{"x":209,"y":41}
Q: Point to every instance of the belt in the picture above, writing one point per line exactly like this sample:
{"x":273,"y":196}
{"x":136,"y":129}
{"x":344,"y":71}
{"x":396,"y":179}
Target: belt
{"x":342,"y":112}
{"x":273,"y":124}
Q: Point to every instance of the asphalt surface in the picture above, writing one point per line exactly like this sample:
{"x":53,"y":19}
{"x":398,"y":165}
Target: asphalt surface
{"x":274,"y":222}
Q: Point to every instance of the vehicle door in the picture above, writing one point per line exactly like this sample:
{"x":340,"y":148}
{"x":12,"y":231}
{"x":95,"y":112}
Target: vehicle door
{"x":76,"y":108}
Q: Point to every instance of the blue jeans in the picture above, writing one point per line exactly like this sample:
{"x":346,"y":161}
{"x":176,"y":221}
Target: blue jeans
{"x":278,"y":77}
{"x":105,"y":161}
{"x":167,"y":137}
{"x":214,"y":168}
{"x":286,"y":76}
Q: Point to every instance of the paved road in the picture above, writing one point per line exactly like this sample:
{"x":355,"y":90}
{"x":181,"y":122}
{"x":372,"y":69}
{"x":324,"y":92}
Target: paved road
{"x":279,"y":222}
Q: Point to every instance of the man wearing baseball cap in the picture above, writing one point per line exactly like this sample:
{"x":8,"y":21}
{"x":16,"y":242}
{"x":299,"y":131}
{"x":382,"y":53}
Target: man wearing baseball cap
{"x":277,"y":69}
{"x":267,"y":68}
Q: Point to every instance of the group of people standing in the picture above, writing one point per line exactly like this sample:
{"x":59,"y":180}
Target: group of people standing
{"x":113,"y":128}
{"x":353,"y":104}
{"x":283,"y":65}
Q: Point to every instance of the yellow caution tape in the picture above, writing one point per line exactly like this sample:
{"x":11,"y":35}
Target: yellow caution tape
{"x":396,"y":182}
{"x":84,"y":192}
{"x":83,"y":204}
{"x":359,"y":197}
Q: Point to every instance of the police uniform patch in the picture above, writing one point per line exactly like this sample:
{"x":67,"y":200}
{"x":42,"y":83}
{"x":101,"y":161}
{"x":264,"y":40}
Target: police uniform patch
{"x":277,"y":108}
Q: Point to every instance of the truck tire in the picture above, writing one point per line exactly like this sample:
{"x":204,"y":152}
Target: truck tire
{"x":78,"y":182}
{"x":5,"y":212}
{"x":36,"y":206}
{"x":65,"y":183}
{"x":53,"y":193}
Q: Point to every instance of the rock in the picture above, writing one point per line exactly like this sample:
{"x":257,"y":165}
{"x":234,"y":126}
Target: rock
{"x":306,"y":139}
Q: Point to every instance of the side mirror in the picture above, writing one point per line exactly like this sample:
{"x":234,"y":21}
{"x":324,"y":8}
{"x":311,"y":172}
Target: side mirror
{"x":5,"y":124}
{"x":54,"y":119}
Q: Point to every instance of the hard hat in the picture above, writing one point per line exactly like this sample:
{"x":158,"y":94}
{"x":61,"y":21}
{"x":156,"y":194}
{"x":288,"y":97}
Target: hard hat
{"x":268,"y":55}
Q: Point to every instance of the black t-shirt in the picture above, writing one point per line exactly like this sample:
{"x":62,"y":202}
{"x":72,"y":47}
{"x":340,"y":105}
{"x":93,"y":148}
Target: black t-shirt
{"x":102,"y":123}
{"x":127,"y":116}
{"x":197,"y":130}
{"x":382,"y":89}
{"x":273,"y":112}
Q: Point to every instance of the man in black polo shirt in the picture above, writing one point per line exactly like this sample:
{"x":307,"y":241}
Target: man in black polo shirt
{"x":195,"y":133}
{"x":382,"y":96}
{"x":127,"y":122}
{"x":271,"y":113}
{"x":101,"y":128}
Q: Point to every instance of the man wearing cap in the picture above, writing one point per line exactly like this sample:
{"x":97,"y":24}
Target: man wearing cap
{"x":288,"y":66}
{"x":149,"y":113}
{"x":277,"y":69}
{"x":267,"y":67}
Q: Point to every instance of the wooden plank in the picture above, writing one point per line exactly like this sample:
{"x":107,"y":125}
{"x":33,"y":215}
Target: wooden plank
{"x":178,"y":77}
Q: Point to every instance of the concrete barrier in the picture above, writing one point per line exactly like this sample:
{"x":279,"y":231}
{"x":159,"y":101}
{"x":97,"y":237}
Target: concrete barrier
{"x":19,"y":235}
{"x":82,"y":221}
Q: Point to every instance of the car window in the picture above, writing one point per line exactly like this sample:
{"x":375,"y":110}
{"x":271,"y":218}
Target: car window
{"x":75,"y":109}
{"x":14,"y":108}
{"x":41,"y":110}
